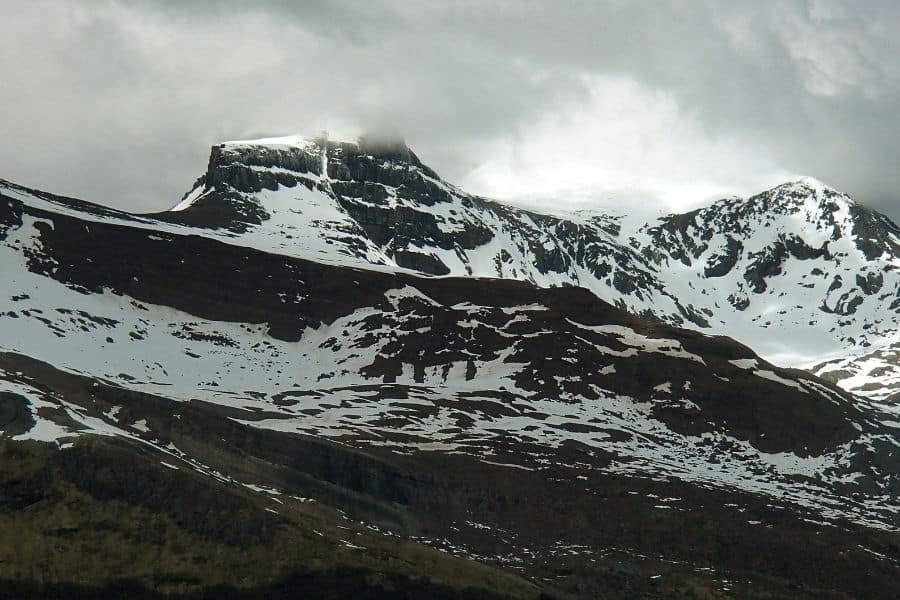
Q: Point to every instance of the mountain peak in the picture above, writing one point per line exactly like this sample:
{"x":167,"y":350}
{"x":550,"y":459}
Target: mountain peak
{"x":376,"y":144}
{"x":286,"y":141}
{"x":307,"y":154}
{"x":249,"y":166}
{"x":805,"y":186}
{"x":804,"y":195}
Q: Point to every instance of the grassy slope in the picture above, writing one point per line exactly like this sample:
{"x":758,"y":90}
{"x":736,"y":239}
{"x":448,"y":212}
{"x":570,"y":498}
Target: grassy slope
{"x":177,"y":532}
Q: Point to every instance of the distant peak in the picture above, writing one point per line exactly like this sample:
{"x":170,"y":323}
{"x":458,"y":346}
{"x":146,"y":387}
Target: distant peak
{"x":810,"y":183}
{"x":806,"y":186}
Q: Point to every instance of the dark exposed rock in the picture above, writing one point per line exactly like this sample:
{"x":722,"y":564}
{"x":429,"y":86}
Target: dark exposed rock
{"x":720,"y":265}
{"x":871,"y":283}
{"x":836,"y":283}
{"x":10,"y":215}
{"x":765,"y":263}
{"x":739,"y":301}
{"x":15,"y":416}
{"x":875,"y":234}
{"x":425,"y":263}
{"x":798,"y":248}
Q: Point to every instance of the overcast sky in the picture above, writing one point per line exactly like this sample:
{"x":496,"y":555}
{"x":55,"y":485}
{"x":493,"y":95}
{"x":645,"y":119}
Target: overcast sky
{"x":606,"y":103}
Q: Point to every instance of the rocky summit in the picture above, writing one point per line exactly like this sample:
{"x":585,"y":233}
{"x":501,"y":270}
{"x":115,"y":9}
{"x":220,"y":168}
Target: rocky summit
{"x":326,"y":372}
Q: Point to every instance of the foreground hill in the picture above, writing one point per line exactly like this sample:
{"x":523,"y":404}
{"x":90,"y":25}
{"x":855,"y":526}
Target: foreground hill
{"x":186,"y":372}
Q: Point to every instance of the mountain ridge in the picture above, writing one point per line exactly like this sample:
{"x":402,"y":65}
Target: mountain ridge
{"x":184,"y":393}
{"x":800,"y":272}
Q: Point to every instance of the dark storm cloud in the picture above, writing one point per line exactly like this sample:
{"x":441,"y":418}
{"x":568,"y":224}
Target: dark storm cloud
{"x":119,"y":101}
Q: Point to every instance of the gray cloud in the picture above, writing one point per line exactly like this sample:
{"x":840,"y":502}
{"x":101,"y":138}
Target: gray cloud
{"x":118,"y":102}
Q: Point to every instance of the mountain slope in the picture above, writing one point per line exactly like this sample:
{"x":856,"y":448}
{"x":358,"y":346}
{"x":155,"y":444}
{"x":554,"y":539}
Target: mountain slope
{"x":800,"y":273}
{"x":801,"y":260}
{"x":491,"y":418}
{"x":107,"y":519}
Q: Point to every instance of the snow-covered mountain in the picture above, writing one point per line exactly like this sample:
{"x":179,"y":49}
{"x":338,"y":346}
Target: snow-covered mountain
{"x":353,"y":338}
{"x":801,"y":273}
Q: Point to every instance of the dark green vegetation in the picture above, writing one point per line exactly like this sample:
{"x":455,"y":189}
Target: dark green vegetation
{"x":105,"y":519}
